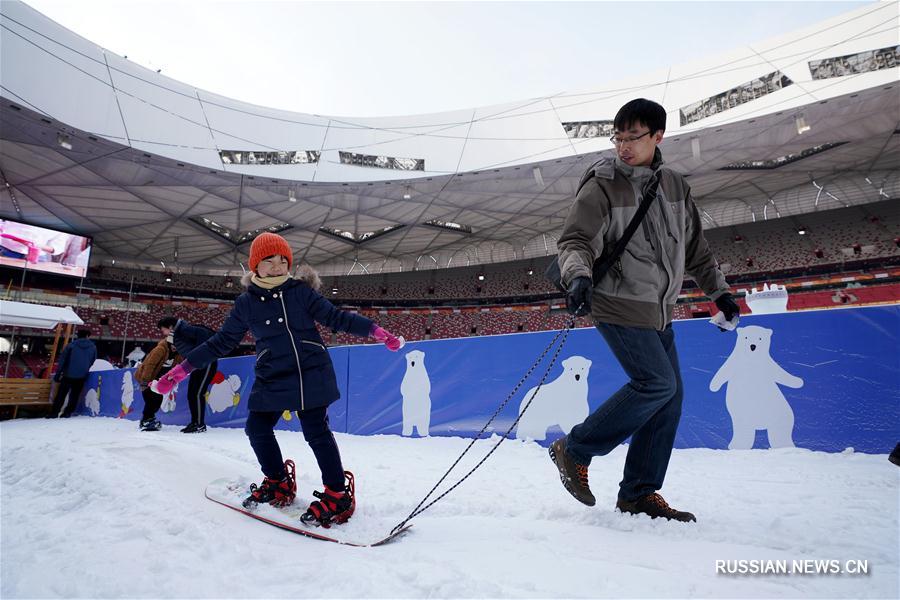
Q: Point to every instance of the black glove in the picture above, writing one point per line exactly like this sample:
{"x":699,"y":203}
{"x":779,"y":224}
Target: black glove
{"x":728,"y":306}
{"x":578,"y":296}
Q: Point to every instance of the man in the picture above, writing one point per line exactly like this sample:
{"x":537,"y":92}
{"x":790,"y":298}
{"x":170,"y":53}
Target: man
{"x":632,"y":307}
{"x":187,"y":337}
{"x":74,"y":364}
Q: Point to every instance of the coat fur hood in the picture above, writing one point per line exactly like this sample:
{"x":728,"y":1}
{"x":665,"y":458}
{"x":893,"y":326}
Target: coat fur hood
{"x":304,"y":273}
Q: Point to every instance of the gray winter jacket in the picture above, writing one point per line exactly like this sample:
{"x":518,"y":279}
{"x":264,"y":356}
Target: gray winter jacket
{"x":642,"y":287}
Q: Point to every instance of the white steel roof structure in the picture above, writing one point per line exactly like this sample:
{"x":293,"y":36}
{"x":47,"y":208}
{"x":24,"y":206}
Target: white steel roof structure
{"x":156,"y":170}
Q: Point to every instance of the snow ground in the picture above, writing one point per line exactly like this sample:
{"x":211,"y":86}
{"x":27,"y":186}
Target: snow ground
{"x":93,"y":508}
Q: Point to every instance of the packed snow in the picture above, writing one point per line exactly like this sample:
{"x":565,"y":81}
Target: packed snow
{"x":94,"y":508}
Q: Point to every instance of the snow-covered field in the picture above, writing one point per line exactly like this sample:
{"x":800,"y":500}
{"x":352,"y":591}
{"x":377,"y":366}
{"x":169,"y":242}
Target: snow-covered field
{"x":93,"y":508}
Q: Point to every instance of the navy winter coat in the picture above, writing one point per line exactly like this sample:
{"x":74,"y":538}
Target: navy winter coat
{"x":293,"y":369}
{"x":186,"y":336}
{"x":77,"y":358}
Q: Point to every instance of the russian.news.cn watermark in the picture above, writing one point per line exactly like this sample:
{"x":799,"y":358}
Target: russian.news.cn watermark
{"x":807,"y":566}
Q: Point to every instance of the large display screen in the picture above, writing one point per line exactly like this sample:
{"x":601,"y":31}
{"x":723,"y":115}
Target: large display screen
{"x":41,"y":249}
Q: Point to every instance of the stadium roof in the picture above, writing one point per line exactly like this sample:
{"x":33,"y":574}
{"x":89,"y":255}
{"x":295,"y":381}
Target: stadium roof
{"x":156,"y":170}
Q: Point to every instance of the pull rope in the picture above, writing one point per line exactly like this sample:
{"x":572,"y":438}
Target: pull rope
{"x":561,"y":335}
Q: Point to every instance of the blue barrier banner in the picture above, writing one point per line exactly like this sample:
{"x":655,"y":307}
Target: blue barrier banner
{"x":833,"y":374}
{"x":822,"y":380}
{"x":117,"y":394}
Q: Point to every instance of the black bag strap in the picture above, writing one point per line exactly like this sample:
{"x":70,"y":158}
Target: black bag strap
{"x":603,"y":264}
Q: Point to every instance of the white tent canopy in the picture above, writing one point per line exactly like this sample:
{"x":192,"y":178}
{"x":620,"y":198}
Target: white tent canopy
{"x":22,"y":314}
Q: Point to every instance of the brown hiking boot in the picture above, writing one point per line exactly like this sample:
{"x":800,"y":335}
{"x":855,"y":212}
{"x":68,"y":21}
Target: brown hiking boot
{"x":655,"y":506}
{"x":895,"y":455}
{"x":574,"y":477}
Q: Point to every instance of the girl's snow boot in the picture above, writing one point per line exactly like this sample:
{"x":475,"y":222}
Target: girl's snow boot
{"x":277,"y":492}
{"x":332,"y":506}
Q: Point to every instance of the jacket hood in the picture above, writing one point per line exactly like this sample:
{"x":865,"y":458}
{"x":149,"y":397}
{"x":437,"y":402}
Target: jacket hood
{"x":304,"y":273}
{"x":82,"y":343}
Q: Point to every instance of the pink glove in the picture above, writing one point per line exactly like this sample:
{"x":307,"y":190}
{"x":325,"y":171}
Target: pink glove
{"x":167,"y":382}
{"x":392,"y":342}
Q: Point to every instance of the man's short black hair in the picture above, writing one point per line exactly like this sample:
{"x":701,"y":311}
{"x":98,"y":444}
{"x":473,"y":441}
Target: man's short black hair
{"x":641,"y":110}
{"x":167,"y":322}
{"x":83,"y":333}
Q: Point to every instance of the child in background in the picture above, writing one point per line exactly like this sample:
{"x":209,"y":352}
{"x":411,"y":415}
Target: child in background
{"x":294,"y":372}
{"x":156,"y":364}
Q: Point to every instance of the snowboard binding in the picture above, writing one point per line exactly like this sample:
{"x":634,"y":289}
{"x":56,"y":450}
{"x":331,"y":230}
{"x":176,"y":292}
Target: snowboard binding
{"x":277,"y":492}
{"x":332,"y":506}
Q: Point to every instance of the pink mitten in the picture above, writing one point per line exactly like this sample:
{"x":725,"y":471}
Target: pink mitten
{"x":167,"y":382}
{"x":392,"y":342}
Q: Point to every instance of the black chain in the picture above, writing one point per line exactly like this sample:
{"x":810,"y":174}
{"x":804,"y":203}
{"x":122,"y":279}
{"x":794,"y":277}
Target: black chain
{"x":564,"y":332}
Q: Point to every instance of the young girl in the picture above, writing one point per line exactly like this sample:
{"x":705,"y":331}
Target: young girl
{"x":294,"y":372}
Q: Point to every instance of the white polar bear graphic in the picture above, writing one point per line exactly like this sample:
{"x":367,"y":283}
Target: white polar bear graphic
{"x":92,"y":398}
{"x":168,"y":401}
{"x":563,"y":401}
{"x":127,"y":393}
{"x":92,"y":402}
{"x":753,"y":398}
{"x":224,"y":392}
{"x":416,"y":391}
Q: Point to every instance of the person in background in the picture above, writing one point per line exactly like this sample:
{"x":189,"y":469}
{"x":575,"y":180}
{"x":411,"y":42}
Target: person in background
{"x":156,"y":364}
{"x":186,"y":337}
{"x":74,"y":364}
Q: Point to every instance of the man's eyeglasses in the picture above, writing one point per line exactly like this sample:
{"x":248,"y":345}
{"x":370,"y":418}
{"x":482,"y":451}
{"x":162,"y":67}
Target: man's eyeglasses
{"x":616,"y":141}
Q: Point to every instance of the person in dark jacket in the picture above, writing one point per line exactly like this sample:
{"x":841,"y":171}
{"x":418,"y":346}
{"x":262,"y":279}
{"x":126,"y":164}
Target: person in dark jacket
{"x":632,"y":307}
{"x":74,"y":364}
{"x":187,"y":337}
{"x":293,"y":371}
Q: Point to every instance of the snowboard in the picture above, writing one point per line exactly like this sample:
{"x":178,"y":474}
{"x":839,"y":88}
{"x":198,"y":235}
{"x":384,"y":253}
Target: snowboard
{"x":231,"y":492}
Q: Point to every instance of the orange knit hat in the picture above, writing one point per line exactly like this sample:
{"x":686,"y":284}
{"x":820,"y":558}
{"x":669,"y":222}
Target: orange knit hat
{"x":269,"y":244}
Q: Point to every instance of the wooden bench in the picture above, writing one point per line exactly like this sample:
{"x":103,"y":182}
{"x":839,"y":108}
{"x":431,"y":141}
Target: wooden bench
{"x":25,"y":392}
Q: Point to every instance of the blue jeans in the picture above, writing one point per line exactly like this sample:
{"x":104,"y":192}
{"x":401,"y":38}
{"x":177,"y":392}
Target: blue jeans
{"x":647,"y":408}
